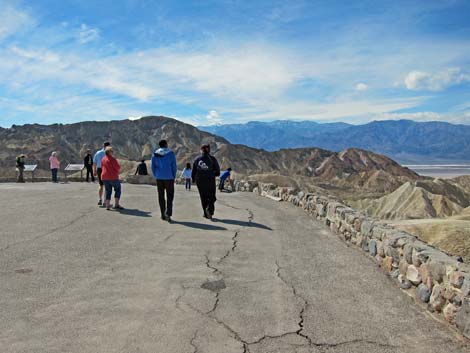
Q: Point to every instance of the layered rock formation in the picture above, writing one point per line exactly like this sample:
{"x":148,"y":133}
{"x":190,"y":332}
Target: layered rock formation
{"x":133,"y":140}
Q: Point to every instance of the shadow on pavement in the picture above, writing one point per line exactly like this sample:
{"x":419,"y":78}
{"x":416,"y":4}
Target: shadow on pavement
{"x":242,"y":223}
{"x":199,"y":225}
{"x":135,"y":212}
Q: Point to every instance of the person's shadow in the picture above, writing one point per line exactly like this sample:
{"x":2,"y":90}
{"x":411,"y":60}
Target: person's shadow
{"x":199,"y":225}
{"x":135,"y":212}
{"x":242,"y":223}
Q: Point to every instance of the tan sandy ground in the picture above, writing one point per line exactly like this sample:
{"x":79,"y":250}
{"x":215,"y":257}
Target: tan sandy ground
{"x":449,"y":234}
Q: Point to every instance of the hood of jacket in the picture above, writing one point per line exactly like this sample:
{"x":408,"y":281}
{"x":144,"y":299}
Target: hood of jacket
{"x":161,"y":152}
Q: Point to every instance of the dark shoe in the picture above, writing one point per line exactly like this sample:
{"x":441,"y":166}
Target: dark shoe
{"x":207,"y":214}
{"x":118,"y":207}
{"x":100,"y":203}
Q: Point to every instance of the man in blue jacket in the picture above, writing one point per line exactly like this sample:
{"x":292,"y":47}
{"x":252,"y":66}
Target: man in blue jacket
{"x":164,"y":170}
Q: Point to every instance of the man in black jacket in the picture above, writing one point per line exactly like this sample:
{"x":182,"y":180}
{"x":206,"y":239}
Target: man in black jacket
{"x":88,"y":163}
{"x":141,"y":168}
{"x":205,"y":170}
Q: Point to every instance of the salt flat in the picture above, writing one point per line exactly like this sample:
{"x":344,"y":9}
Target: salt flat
{"x":263,"y":277}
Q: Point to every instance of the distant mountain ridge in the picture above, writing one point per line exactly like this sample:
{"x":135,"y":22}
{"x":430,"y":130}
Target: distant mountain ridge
{"x":133,"y":140}
{"x":404,"y":140}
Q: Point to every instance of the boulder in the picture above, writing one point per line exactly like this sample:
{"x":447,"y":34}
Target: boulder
{"x":450,"y":312}
{"x":387,"y":263}
{"x":372,"y":247}
{"x":437,"y":300}
{"x":423,"y":293}
{"x":412,"y":275}
{"x":404,"y":283}
{"x":403,"y":266}
{"x":456,"y":279}
{"x":437,"y":271}
{"x":407,"y":252}
{"x":462,"y":319}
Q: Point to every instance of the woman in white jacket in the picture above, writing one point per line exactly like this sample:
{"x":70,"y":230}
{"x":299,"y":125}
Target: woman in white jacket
{"x":186,"y":175}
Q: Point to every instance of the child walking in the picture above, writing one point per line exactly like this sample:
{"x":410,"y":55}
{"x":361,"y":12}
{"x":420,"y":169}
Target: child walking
{"x":186,"y":174}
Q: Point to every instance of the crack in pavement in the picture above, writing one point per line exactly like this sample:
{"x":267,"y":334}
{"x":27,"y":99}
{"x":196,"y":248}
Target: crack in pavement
{"x":192,"y":342}
{"x":301,"y":323}
{"x":234,"y":247}
{"x":251,"y":215}
{"x":208,"y":264}
{"x":304,"y":306}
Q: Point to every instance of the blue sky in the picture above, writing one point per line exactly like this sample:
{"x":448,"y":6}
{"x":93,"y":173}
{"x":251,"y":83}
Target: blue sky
{"x":207,"y":62}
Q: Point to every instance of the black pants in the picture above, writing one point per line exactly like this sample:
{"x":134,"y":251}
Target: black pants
{"x":54,"y":175}
{"x":168,"y":186}
{"x":207,"y":189}
{"x":89,"y":172}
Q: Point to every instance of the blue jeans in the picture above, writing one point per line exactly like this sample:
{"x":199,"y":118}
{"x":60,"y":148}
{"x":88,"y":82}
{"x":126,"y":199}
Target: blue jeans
{"x":222,"y":183}
{"x":109,"y":185}
{"x":188,"y":183}
{"x":54,"y":175}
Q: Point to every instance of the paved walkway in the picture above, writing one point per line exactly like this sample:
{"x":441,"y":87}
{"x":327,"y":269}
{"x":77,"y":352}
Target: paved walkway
{"x":263,"y":277}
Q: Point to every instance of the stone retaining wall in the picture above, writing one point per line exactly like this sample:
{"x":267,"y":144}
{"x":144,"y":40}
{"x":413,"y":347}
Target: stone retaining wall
{"x":433,"y":277}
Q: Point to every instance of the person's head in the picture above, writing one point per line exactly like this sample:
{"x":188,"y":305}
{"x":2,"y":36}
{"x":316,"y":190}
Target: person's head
{"x":106,"y":144}
{"x":205,"y":149}
{"x":53,"y":154}
{"x":22,"y":156}
{"x":142,"y":161}
{"x":163,"y":144}
{"x":188,"y":165}
{"x":229,"y":169}
{"x":109,"y":151}
{"x":88,"y":151}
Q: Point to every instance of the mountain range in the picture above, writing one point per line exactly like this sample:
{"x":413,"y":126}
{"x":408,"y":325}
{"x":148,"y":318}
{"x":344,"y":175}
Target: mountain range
{"x":403,"y":140}
{"x":137,"y":139}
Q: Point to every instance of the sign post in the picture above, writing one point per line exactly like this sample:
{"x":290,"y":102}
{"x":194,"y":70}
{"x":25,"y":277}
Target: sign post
{"x":74,"y":168}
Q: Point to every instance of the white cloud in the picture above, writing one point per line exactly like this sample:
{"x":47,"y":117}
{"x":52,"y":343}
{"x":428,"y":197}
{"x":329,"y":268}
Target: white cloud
{"x":213,"y":117}
{"x":419,"y":80}
{"x":12,"y":21}
{"x":361,"y":87}
{"x":88,"y":34}
{"x":338,"y":110}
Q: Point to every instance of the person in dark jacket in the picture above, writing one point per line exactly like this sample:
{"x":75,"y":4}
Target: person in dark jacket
{"x":88,"y":164}
{"x":141,"y":168}
{"x":20,"y":165}
{"x":205,"y":170}
{"x":164,"y":170}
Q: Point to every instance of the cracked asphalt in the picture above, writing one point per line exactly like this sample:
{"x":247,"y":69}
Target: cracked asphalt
{"x":263,"y":277}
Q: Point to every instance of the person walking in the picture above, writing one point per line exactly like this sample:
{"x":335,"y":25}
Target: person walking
{"x":20,"y":165}
{"x":186,"y":175}
{"x":97,"y":170}
{"x":55,"y":165}
{"x":205,"y":170}
{"x":225,"y":176}
{"x":88,"y":164}
{"x":141,"y":168}
{"x":164,"y":170}
{"x":110,"y":176}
